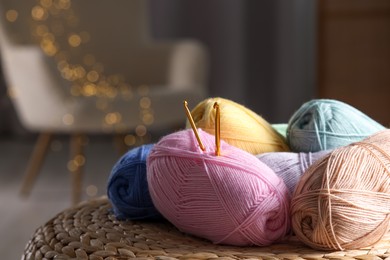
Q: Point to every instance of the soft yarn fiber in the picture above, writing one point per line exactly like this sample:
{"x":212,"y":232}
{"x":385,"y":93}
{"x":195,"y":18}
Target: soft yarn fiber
{"x":323,"y":124}
{"x":128,"y":188}
{"x":240,"y":126}
{"x":290,"y":166}
{"x":281,"y":129}
{"x":343,"y":200}
{"x":229,"y":199}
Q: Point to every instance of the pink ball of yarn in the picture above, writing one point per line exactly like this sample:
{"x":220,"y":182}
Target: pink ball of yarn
{"x":229,"y":199}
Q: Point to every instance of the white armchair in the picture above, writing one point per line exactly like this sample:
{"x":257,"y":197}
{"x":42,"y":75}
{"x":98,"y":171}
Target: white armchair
{"x":96,"y":84}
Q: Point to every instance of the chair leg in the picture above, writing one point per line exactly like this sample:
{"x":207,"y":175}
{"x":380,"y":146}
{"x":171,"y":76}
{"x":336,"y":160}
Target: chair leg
{"x":76,"y":165}
{"x":35,"y":163}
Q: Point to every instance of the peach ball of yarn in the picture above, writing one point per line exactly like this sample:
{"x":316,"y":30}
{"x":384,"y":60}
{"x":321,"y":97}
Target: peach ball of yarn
{"x":240,"y":126}
{"x":343,"y":200}
{"x":231,"y":199}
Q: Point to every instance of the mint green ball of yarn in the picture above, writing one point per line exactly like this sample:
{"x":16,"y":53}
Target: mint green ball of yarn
{"x":281,"y":128}
{"x":323,"y":124}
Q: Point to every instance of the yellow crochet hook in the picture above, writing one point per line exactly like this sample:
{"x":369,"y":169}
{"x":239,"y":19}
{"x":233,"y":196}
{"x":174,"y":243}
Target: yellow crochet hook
{"x":189,"y":116}
{"x":217,"y":129}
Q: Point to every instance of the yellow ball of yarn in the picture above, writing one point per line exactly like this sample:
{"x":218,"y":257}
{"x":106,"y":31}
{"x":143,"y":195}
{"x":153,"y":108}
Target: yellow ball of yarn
{"x":239,"y":126}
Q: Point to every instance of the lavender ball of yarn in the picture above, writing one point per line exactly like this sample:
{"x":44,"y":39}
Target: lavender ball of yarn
{"x":290,"y":166}
{"x":324,"y":124}
{"x":128,"y":188}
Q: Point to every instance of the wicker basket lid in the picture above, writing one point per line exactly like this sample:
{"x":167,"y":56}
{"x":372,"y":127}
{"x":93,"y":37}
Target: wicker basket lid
{"x":91,"y":231}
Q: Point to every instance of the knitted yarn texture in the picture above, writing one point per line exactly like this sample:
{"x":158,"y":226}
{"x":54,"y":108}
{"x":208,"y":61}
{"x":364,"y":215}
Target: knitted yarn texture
{"x":240,"y":126}
{"x":127,"y":187}
{"x":343,"y":200}
{"x":229,"y":199}
{"x":324,"y":124}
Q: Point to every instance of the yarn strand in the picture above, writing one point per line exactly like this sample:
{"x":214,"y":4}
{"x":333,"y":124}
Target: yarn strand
{"x":343,"y":200}
{"x":232,"y":199}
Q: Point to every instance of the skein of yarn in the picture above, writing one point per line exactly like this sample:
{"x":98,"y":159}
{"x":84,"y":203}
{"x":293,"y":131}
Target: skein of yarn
{"x":127,"y":187}
{"x":281,"y":129}
{"x":231,"y":199}
{"x":343,"y":200}
{"x":325,"y":124}
{"x":240,"y":126}
{"x":290,"y":166}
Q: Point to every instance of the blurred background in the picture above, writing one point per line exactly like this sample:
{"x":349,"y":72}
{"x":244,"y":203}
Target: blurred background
{"x":270,"y":55}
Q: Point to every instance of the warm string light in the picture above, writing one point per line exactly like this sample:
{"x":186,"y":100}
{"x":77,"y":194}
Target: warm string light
{"x":11,"y":15}
{"x":88,"y":78}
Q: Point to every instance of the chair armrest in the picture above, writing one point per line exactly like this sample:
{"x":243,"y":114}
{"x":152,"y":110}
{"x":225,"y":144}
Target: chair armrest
{"x":179,"y":65}
{"x":189,"y":65}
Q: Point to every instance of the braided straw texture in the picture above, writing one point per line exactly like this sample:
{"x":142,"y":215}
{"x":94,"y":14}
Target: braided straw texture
{"x":90,"y":231}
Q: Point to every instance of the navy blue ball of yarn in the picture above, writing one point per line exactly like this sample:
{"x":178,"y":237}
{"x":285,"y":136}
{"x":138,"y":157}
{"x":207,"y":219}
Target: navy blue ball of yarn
{"x":128,"y":187}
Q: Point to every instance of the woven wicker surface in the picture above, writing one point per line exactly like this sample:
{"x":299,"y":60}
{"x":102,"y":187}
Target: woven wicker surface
{"x":90,"y":231}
